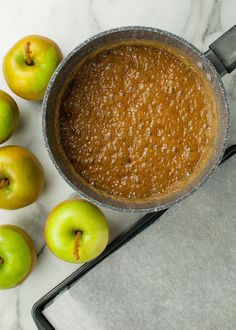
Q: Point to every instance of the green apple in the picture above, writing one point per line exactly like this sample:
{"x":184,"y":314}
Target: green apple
{"x":76,"y":231}
{"x":21,"y":177}
{"x":9,"y":116}
{"x":29,"y":65}
{"x":17,"y":256}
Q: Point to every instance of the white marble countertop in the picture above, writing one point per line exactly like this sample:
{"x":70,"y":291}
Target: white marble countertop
{"x":68,"y":23}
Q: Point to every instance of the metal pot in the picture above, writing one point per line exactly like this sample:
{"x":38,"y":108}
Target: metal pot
{"x":218,"y":60}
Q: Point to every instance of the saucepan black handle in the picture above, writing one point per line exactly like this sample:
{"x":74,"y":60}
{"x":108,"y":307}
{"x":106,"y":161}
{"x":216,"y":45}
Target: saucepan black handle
{"x":222,"y":52}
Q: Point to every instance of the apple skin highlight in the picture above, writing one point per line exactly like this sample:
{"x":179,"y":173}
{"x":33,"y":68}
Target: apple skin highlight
{"x":9,"y":116}
{"x":29,"y":65}
{"x":66,"y":220}
{"x":25,"y":177}
{"x":18,"y":256}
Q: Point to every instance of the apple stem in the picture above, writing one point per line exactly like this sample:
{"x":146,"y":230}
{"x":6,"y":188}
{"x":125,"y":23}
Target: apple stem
{"x":1,"y":261}
{"x":28,"y":58}
{"x":76,"y":245}
{"x":4,"y":182}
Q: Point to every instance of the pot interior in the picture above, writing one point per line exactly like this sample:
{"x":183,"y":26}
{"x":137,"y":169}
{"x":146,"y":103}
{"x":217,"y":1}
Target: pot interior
{"x":65,"y":72}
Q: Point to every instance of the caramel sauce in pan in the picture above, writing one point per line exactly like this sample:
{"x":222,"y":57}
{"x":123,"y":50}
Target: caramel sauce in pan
{"x":137,"y":121}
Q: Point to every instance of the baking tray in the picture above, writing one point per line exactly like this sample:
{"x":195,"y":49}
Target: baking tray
{"x":37,"y":310}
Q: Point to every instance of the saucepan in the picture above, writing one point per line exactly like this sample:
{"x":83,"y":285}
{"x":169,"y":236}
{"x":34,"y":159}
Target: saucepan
{"x":216,"y":62}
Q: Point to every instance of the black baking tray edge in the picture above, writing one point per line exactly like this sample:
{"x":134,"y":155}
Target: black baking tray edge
{"x":148,"y":219}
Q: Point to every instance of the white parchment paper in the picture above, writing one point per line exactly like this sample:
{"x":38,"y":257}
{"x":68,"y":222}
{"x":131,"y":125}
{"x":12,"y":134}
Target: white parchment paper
{"x":180,"y":273}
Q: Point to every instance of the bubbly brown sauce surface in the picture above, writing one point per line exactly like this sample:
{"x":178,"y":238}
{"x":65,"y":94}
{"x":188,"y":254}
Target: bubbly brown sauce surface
{"x":135,"y":121}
